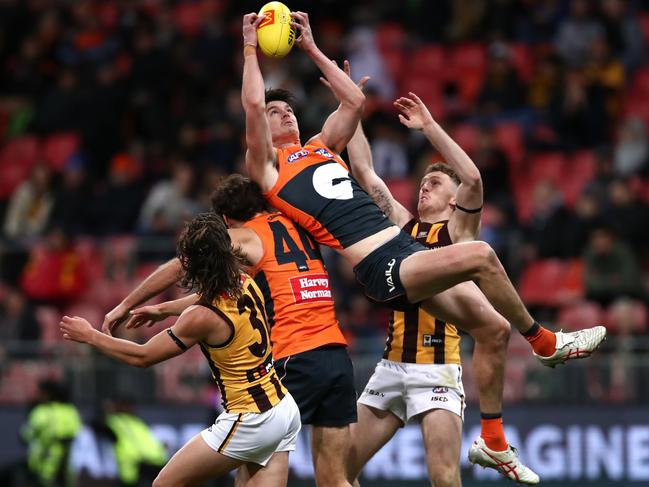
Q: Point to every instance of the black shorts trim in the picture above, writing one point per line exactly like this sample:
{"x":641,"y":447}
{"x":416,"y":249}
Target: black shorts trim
{"x":378,"y":272}
{"x":322,"y":383}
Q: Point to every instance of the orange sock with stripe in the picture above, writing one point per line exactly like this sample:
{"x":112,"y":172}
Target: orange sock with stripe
{"x":543,"y":341}
{"x":493,"y":433}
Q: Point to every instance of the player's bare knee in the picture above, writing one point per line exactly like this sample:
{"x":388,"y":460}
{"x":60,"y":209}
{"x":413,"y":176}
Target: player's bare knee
{"x":487,"y":259}
{"x":446,"y":475}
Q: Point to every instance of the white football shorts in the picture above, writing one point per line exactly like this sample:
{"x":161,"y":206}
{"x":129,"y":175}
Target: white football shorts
{"x":407,"y":390}
{"x":254,"y":437}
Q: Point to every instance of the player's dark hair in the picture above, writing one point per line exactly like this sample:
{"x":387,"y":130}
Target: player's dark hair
{"x":209,"y":264}
{"x":279,"y":94}
{"x":443,"y":168}
{"x":239,"y":198}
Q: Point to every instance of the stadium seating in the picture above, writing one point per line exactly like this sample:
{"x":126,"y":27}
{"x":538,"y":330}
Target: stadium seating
{"x":552,"y":282}
{"x":58,"y":148}
{"x":466,"y":136}
{"x":578,"y":315}
{"x":17,"y":158}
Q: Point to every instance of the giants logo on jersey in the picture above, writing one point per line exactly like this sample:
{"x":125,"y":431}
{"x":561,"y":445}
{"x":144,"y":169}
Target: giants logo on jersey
{"x":314,"y":287}
{"x":332,"y":181}
{"x":296,"y":156}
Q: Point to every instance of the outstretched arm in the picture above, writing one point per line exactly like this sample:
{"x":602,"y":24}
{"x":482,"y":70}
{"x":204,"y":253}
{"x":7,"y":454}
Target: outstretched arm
{"x":194,"y":324}
{"x":162,"y":278}
{"x":360,"y":159}
{"x":260,"y":156}
{"x":464,"y":224}
{"x":341,"y":124}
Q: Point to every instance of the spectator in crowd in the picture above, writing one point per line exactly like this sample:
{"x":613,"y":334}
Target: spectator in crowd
{"x":578,"y":111}
{"x":18,"y":323}
{"x":545,"y":81}
{"x":388,"y":147}
{"x":363,"y":53}
{"x":51,"y":426}
{"x":494,"y":166}
{"x":502,"y":90}
{"x":587,"y":217}
{"x":170,"y":202}
{"x":623,"y":32}
{"x":611,"y":270}
{"x":545,"y":234}
{"x":54,"y":273}
{"x":30,"y":205}
{"x":625,"y":212}
{"x":604,"y":175}
{"x":606,"y":71}
{"x":632,"y":149}
{"x":70,"y":209}
{"x":116,"y":205}
{"x":577,"y":33}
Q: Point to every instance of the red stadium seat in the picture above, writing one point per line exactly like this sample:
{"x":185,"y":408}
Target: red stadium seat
{"x":579,"y":315}
{"x":428,"y":60}
{"x":523,"y":188}
{"x":468,"y":57}
{"x":189,"y":18}
{"x":579,"y":171}
{"x":644,"y":23}
{"x":17,"y":158}
{"x":58,"y":148}
{"x":540,"y":282}
{"x":404,"y":191}
{"x":548,"y":166}
{"x":466,"y":67}
{"x":395,"y":63}
{"x":466,"y":136}
{"x":509,"y":137}
{"x":523,"y":59}
{"x":429,"y":90}
{"x":391,"y":36}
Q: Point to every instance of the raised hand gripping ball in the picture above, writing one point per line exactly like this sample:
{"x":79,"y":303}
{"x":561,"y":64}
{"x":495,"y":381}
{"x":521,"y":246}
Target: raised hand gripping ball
{"x":275,"y":35}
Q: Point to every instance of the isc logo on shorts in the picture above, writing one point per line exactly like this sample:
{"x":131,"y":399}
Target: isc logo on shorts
{"x":373,"y":392}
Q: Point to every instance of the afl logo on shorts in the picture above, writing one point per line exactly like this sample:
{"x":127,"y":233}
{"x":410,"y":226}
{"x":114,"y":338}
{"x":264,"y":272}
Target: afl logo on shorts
{"x":332,"y":181}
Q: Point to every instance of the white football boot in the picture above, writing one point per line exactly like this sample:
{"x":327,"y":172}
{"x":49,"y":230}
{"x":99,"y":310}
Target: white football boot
{"x":574,"y":345}
{"x":506,"y":462}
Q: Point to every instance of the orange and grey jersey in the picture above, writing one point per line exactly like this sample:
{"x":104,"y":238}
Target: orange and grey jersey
{"x":416,"y":336}
{"x":243,"y":367}
{"x":316,"y":190}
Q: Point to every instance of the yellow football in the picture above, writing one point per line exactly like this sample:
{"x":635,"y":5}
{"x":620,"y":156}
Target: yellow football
{"x":275,"y":35}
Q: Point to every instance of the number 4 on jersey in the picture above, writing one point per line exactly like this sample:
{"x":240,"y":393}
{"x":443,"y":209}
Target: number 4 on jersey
{"x":294,"y":253}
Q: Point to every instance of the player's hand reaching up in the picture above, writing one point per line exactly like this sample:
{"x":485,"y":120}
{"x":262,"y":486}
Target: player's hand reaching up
{"x":147,"y":315}
{"x":301,"y":24}
{"x":250,"y":23}
{"x":346,"y":68}
{"x":414,"y":113}
{"x":76,"y":328}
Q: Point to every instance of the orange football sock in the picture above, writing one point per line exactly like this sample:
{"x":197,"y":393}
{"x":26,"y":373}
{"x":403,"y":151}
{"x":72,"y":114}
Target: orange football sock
{"x":543,"y":341}
{"x":493,"y":433}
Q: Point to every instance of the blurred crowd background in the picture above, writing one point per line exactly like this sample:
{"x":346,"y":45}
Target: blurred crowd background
{"x":118,"y":117}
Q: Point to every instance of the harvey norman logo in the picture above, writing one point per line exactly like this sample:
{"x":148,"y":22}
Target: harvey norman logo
{"x":314,"y":287}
